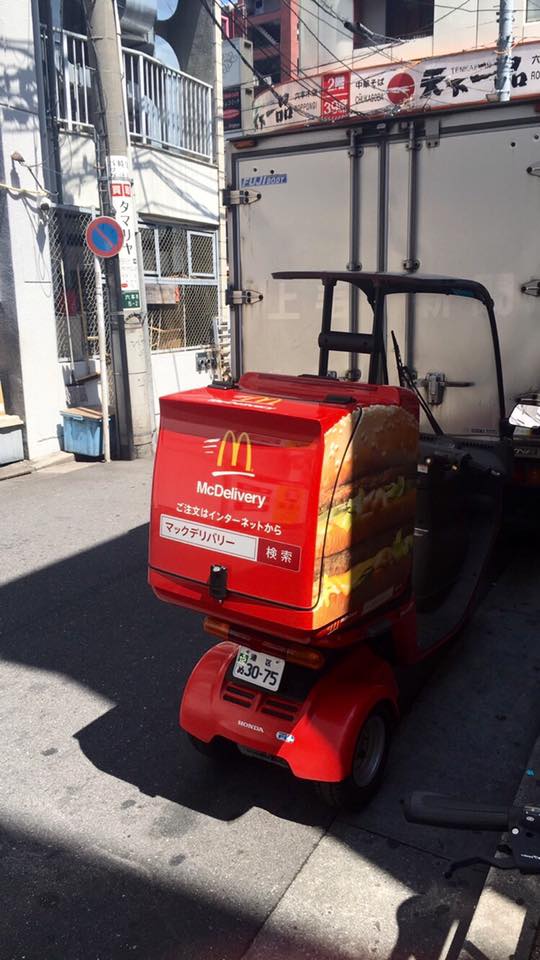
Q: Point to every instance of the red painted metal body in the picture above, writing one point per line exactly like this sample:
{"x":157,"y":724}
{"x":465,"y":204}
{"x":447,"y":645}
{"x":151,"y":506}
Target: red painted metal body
{"x":239,"y":483}
{"x":316,"y":737}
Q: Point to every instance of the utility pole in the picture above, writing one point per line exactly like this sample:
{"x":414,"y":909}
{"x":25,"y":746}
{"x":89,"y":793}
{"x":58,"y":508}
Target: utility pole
{"x":132,"y":373}
{"x":223,"y":332}
{"x":505,"y":41}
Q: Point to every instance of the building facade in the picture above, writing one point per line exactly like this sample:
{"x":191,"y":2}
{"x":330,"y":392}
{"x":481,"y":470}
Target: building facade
{"x":52,"y":184}
{"x":300,"y":40}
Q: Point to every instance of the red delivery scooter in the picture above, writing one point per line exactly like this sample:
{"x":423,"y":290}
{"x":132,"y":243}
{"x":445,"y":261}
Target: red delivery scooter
{"x":333,"y":532}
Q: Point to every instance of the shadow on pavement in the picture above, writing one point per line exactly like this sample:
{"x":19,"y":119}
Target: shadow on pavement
{"x":66,"y":905}
{"x":94,"y":619}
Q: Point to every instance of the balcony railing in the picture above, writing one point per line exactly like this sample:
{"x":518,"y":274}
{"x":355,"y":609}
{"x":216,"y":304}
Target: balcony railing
{"x":166,"y":108}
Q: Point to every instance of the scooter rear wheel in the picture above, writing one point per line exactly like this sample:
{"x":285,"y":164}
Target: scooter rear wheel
{"x":368,"y":763}
{"x":217,"y":749}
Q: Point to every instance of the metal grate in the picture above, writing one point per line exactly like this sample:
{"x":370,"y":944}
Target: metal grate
{"x":181,"y":287}
{"x":74,"y":291}
{"x":280,"y":707}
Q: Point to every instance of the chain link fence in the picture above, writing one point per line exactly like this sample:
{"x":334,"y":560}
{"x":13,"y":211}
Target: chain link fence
{"x":74,"y":290}
{"x":181,"y":287}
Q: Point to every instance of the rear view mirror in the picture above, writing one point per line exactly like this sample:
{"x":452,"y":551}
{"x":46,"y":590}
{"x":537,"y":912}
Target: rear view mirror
{"x":525,"y":416}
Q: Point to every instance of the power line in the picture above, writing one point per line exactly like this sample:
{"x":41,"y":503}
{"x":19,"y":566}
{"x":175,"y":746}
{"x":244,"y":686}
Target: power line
{"x":332,"y":53}
{"x":314,"y":88}
{"x":255,"y":72}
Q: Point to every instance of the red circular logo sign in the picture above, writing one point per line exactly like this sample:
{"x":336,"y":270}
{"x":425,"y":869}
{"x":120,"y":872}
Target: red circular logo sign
{"x":400,"y":88}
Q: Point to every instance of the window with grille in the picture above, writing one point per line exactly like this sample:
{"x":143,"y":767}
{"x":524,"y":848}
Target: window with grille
{"x":74,"y":291}
{"x":533,"y":10}
{"x":181,"y":286}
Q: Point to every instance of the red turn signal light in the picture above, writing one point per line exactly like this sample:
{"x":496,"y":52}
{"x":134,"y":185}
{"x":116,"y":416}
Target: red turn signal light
{"x":526,"y":473}
{"x":303,"y":657}
{"x":217,"y":628}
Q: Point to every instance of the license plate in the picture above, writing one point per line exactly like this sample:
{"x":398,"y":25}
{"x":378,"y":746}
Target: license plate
{"x":258,"y":668}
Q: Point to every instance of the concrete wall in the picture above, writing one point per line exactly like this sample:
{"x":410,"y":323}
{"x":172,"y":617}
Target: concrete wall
{"x":78,"y":162}
{"x":328,"y":33}
{"x":167,"y":185}
{"x":175,"y":187}
{"x":464,"y":28}
{"x":176,"y":370}
{"x":29,"y":337}
{"x":190,"y":32}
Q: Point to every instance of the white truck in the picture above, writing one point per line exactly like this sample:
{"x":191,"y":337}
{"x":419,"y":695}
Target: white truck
{"x":453,"y":192}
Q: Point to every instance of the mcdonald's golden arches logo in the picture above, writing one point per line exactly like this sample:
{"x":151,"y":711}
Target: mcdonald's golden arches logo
{"x":261,"y":401}
{"x":235,"y":457}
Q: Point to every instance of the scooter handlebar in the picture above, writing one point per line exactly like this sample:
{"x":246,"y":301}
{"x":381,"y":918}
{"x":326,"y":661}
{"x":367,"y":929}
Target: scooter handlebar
{"x":440,"y":811}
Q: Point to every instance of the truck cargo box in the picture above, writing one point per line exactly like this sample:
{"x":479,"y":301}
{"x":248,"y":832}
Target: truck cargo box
{"x":284,"y":503}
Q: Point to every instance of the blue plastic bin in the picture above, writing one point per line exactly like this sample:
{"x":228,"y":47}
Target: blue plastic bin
{"x":83,"y":431}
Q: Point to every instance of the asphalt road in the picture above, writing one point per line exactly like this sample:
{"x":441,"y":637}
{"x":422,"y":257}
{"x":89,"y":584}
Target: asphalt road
{"x":118,"y":840}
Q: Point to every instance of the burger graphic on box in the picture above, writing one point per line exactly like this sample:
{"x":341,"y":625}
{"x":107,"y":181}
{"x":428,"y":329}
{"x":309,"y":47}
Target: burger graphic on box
{"x":366,"y":511}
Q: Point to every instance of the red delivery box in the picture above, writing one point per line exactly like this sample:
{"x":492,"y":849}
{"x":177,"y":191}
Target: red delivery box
{"x":284,"y":503}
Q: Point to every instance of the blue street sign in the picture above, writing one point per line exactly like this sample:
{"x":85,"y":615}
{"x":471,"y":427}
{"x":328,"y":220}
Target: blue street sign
{"x":104,"y":237}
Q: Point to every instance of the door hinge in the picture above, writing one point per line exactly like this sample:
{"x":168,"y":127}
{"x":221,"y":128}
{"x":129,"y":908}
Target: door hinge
{"x":432,"y":131}
{"x":355,"y":144}
{"x":531,"y":288}
{"x":238,"y":298}
{"x":239,"y":198}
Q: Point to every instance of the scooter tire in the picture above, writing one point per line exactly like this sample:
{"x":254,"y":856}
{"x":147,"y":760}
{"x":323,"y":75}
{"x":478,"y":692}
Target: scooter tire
{"x":366,"y":775}
{"x":216,"y":749}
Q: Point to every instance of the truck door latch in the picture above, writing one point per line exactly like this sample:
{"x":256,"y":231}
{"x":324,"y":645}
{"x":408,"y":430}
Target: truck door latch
{"x":531,"y":288}
{"x":217,"y":582}
{"x":435,"y":385}
{"x":239,"y":198}
{"x":238,"y":298}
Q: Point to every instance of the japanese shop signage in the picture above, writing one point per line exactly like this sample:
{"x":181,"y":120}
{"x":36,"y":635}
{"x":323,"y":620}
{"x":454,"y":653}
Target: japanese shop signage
{"x":232,"y":109}
{"x":335,"y":95}
{"x":459,"y":80}
{"x":122,"y":201}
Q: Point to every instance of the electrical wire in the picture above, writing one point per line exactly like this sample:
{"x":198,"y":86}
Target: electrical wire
{"x":314,"y":89}
{"x":373,"y":50}
{"x":332,"y":53}
{"x":254,"y":71}
{"x":405,"y":36}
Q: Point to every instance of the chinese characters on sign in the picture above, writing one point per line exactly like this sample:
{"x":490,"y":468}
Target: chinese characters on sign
{"x":122,"y":200}
{"x":425,"y":85}
{"x":336,"y":90}
{"x":279,"y":554}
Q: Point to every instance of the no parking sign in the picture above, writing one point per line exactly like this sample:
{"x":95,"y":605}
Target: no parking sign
{"x":104,"y":237}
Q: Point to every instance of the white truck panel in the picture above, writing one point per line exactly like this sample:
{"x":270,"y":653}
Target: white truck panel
{"x":475,"y":213}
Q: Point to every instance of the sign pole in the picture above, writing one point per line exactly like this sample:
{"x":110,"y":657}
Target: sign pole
{"x":102,"y":340}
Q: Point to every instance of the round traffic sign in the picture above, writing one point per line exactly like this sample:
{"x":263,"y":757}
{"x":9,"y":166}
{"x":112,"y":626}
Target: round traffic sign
{"x":104,"y":236}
